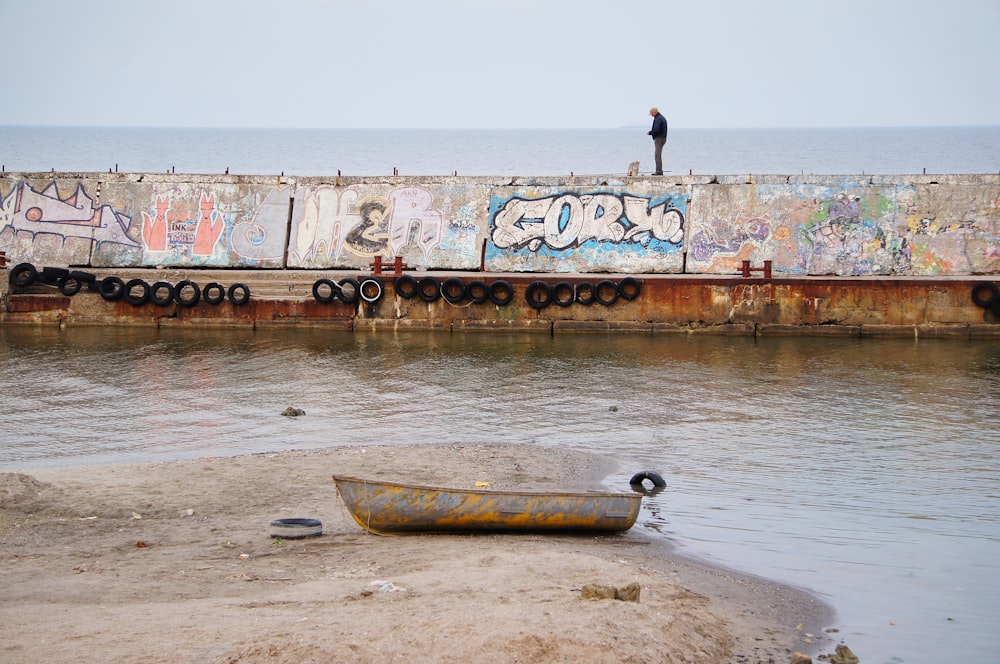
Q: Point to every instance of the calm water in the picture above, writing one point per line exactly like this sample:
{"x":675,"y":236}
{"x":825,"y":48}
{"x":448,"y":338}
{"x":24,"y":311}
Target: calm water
{"x":864,"y":470}
{"x":500,"y":152}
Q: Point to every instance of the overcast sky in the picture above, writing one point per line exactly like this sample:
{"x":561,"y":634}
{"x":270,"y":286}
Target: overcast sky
{"x":500,"y":63}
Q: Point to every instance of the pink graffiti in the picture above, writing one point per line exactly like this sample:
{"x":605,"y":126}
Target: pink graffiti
{"x":210,"y":227}
{"x":154,"y":229}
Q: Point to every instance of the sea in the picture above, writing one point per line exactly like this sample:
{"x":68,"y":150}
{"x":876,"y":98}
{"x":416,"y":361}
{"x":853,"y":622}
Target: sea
{"x":865,"y":471}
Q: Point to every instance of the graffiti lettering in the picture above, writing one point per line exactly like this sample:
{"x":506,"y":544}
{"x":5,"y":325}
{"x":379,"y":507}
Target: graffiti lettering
{"x":26,"y":209}
{"x":565,"y":221}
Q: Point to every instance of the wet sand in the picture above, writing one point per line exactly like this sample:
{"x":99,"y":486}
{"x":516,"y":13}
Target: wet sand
{"x":174,"y":562}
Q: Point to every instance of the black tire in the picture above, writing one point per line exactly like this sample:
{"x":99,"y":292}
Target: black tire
{"x":23,"y":275}
{"x":214,"y":293}
{"x":405,"y":287}
{"x":165,"y":299}
{"x":477,"y":291}
{"x":238,"y":294}
{"x":453,"y":290}
{"x":638,"y":482}
{"x":429,"y":289}
{"x":563,"y":293}
{"x":585,"y":294}
{"x":629,"y":288}
{"x":88,"y":279}
{"x":319,"y":292}
{"x":70,"y":286}
{"x":181,"y":287}
{"x":53,"y":275}
{"x":111,"y":288}
{"x":606,"y":292}
{"x":371,"y":290}
{"x":133,"y":299}
{"x":995,"y":307}
{"x":501,"y":293}
{"x":984,"y":294}
{"x":538,"y":294}
{"x":296,"y":528}
{"x":349,"y":295}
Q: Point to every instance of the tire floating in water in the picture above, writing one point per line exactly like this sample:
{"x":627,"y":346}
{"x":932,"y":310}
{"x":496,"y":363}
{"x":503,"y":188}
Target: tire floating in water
{"x":638,"y":482}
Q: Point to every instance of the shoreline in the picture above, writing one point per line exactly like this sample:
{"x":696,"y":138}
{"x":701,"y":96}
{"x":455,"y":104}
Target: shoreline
{"x":142,"y":562}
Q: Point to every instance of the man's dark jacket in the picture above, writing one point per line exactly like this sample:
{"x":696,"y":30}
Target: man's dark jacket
{"x":659,"y":126}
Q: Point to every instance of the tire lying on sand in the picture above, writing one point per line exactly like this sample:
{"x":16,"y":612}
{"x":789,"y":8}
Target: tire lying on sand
{"x":296,"y":528}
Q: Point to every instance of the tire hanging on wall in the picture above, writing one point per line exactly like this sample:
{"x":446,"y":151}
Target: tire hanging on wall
{"x":538,"y":295}
{"x":405,"y":287}
{"x":162,"y":300}
{"x":453,"y":290}
{"x":477,"y":291}
{"x":23,"y":275}
{"x":585,"y":293}
{"x":501,"y":293}
{"x":984,"y":294}
{"x":183,"y":286}
{"x":349,"y":289}
{"x":238,"y":294}
{"x":70,"y":286}
{"x":629,"y":288}
{"x":324,"y":290}
{"x":370,"y":290}
{"x":429,"y":289}
{"x":606,"y":292}
{"x":52,"y":275}
{"x":131,"y":297}
{"x":111,"y":288}
{"x":214,"y":293}
{"x":563,"y":293}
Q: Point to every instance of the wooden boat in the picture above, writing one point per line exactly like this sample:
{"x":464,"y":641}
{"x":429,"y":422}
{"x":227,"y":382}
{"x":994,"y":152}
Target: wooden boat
{"x":388,"y":507}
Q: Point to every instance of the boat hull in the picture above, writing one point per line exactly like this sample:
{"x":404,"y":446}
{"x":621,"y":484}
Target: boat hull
{"x":388,"y":507}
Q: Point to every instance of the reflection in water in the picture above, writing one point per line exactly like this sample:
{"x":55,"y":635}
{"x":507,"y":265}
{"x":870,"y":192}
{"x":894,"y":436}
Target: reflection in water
{"x":864,"y":470}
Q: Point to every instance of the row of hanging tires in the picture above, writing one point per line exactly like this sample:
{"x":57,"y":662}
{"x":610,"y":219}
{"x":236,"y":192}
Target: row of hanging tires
{"x":137,"y":292}
{"x":986,"y":294}
{"x":455,"y":290}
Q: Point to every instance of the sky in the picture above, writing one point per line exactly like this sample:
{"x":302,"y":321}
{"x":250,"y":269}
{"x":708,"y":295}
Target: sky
{"x":500,"y":63}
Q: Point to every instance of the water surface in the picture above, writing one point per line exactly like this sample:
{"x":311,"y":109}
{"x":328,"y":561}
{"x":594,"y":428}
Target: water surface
{"x":863,"y":470}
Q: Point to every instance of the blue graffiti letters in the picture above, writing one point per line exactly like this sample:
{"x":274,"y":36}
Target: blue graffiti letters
{"x":568,"y":220}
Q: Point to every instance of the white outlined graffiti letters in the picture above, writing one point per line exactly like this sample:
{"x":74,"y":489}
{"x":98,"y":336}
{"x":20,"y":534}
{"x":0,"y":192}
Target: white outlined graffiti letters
{"x":568,"y":220}
{"x":76,"y":216}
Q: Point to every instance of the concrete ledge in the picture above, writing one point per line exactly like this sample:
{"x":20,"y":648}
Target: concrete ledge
{"x":635,"y":327}
{"x":889,"y":331}
{"x":985,"y":331}
{"x":765,"y":330}
{"x":943,"y":330}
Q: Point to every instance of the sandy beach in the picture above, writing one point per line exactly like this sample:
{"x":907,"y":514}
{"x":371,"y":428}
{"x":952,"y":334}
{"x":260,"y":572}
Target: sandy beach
{"x":173,"y":562}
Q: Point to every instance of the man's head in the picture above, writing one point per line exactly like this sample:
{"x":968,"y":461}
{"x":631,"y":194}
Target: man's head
{"x":654,"y":111}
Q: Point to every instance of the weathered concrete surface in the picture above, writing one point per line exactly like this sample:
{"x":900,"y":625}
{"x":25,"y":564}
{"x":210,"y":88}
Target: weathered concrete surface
{"x":848,"y":225}
{"x":852,"y":254}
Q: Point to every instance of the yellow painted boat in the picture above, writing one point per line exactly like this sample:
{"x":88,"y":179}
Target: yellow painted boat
{"x":389,"y":507}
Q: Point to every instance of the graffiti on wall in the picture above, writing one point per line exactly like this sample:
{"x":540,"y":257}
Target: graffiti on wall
{"x":336,"y":226}
{"x":218,"y":225}
{"x":596,"y":228}
{"x":850,"y":230}
{"x":26,"y":209}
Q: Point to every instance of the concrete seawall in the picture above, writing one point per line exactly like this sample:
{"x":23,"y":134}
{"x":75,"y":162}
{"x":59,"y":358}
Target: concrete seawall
{"x":855,"y":254}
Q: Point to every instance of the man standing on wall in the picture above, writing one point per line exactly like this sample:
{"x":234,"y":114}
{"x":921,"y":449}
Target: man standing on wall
{"x":659,"y":134}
